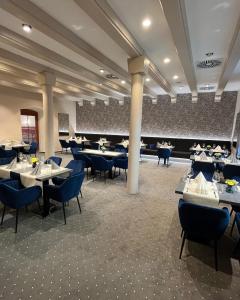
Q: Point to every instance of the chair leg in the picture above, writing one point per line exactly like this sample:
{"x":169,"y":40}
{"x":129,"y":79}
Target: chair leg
{"x":87,"y":173}
{"x":234,"y":221}
{"x":183,"y":242}
{"x":231,"y":212}
{"x":16,"y":223}
{"x":79,"y":206}
{"x":158,"y":161}
{"x":39,"y":205}
{"x":64,"y":215}
{"x":182,"y":233}
{"x":236,"y":248}
{"x":3,"y":213}
{"x":215,"y":255}
{"x":81,"y":194}
{"x":105,"y":179}
{"x":126,"y":174}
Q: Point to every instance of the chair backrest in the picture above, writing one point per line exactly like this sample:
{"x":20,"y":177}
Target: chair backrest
{"x":121,"y":148}
{"x":71,"y":187}
{"x":73,"y":144}
{"x":231,"y":171}
{"x":95,"y":145}
{"x":164,"y":153}
{"x":64,"y":143}
{"x":77,"y":166}
{"x":121,"y":163}
{"x":34,"y":146}
{"x":7,"y":153}
{"x":56,"y":159}
{"x":201,"y":166}
{"x":99,"y":163}
{"x":203,"y":221}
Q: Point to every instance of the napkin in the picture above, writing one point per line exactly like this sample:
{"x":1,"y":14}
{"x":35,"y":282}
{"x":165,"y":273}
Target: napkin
{"x":54,"y":165}
{"x":199,"y":184}
{"x":203,"y":156}
{"x":159,"y":145}
{"x":198,"y":147}
{"x":218,"y":148}
{"x":12,"y":164}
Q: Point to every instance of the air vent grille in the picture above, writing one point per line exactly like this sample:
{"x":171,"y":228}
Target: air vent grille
{"x":210,"y":63}
{"x":207,"y":88}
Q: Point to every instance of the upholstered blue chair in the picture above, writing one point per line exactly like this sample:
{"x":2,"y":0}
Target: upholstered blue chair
{"x":31,"y":150}
{"x":120,"y":148}
{"x":164,"y":153}
{"x":202,"y":223}
{"x":64,"y":145}
{"x":73,"y":144}
{"x":69,"y":189}
{"x":6,"y":156}
{"x":237,"y":220}
{"x":77,"y":166}
{"x":152,"y":146}
{"x":13,"y":195}
{"x":94,"y":145}
{"x":101,"y":164}
{"x":121,"y":163}
{"x":206,"y":168}
{"x":56,"y":159}
{"x":80,"y":156}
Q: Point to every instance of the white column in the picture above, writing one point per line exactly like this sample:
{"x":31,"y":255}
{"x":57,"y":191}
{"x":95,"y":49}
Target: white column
{"x":137,"y":68}
{"x":47,"y":81}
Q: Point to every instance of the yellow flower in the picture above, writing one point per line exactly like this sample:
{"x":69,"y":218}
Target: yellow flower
{"x":231,"y":182}
{"x":34,"y":160}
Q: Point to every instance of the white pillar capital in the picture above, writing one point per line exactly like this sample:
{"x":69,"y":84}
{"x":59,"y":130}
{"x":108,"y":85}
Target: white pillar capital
{"x":46,"y":78}
{"x":138,"y":65}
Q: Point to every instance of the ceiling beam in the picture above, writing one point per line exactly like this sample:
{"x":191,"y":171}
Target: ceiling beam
{"x":39,"y":19}
{"x":25,"y":63}
{"x":102,"y":14}
{"x":233,"y":57}
{"x":175,"y":13}
{"x":20,"y":42}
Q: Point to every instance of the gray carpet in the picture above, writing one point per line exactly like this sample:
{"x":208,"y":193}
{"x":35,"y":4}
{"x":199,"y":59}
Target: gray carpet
{"x":120,"y":247}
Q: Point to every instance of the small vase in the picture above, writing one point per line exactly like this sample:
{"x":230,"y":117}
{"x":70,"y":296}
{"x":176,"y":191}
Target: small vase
{"x":229,"y":189}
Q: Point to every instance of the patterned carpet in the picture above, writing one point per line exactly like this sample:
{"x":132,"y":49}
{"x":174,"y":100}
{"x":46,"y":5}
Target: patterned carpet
{"x":120,"y":247}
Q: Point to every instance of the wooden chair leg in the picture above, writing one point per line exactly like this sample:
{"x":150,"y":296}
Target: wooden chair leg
{"x":64,"y":215}
{"x":158,"y":161}
{"x":215,"y":255}
{"x":183,"y":242}
{"x":3,"y":213}
{"x":81,"y":194}
{"x":234,"y":221}
{"x":79,"y":206}
{"x":16,"y":223}
{"x":231,"y":212}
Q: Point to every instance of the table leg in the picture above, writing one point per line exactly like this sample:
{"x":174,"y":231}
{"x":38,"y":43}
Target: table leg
{"x":46,"y":203}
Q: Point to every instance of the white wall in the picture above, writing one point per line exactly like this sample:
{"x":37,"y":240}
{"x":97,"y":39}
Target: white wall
{"x":10,"y":120}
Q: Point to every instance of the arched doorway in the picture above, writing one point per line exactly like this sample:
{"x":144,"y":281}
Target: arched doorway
{"x":29,"y":125}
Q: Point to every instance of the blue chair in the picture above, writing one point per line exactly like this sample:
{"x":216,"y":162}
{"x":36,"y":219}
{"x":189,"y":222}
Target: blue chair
{"x":101,"y":164}
{"x":77,"y":166}
{"x":13,"y":195}
{"x":121,"y":163}
{"x":64,"y":144}
{"x":73,"y":144}
{"x":69,"y":189}
{"x":164,"y":153}
{"x":6,"y":156}
{"x":120,"y":148}
{"x":94,"y":145}
{"x":152,"y":146}
{"x":80,"y":156}
{"x":202,"y":223}
{"x":56,"y":159}
{"x":231,"y":172}
{"x":238,"y":227}
{"x":32,"y":149}
{"x":206,"y":168}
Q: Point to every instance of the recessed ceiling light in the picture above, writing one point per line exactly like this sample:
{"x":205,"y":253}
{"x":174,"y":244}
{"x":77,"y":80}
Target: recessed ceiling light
{"x":166,"y":60}
{"x":175,"y":77}
{"x":123,"y":82}
{"x":146,"y":23}
{"x":27,"y":28}
{"x":148,"y":79}
{"x":101,"y":71}
{"x":209,"y":54}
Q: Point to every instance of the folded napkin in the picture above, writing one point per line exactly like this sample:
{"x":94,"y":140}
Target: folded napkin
{"x":159,"y":145}
{"x":12,"y":164}
{"x":54,"y":165}
{"x":218,"y":148}
{"x":198,"y":147}
{"x":201,"y":192}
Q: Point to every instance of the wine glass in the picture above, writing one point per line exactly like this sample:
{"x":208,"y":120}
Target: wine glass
{"x":194,"y":145}
{"x":226,"y":153}
{"x":216,"y":177}
{"x":214,"y":146}
{"x":210,"y":153}
{"x":203,"y":145}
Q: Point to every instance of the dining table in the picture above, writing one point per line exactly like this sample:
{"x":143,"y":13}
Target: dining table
{"x":24,"y":173}
{"x":223,"y":195}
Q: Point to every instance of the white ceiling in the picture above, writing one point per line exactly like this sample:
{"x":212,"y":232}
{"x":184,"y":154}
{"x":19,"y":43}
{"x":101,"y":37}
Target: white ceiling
{"x":211,"y":25}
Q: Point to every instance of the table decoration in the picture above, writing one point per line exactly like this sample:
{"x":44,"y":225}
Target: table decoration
{"x":230,"y":184}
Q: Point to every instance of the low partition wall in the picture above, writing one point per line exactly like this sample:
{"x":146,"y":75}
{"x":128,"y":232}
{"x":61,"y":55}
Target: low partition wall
{"x":181,"y":149}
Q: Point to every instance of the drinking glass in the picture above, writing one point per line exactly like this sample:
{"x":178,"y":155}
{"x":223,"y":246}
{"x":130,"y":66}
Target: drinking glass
{"x":194,"y":145}
{"x":226,"y":153}
{"x":203,"y":145}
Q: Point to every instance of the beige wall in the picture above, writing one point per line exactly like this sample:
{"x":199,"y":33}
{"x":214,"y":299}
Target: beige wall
{"x":10,"y":123}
